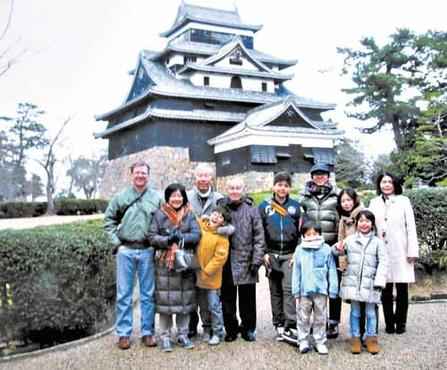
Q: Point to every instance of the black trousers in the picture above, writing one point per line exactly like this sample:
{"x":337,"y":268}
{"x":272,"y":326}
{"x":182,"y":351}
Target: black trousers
{"x":395,"y":318}
{"x":247,"y":304}
{"x":335,"y":303}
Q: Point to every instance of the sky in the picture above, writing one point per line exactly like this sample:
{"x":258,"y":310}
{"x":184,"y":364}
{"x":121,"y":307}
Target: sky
{"x":79,"y":52}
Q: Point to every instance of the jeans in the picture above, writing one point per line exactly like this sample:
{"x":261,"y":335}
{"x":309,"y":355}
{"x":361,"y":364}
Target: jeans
{"x":371,"y":319}
{"x":281,"y":299}
{"x":211,"y":310}
{"x":317,"y":304}
{"x":128,"y":263}
{"x":181,"y":321}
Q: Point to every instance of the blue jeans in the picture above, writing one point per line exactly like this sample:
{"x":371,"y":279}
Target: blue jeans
{"x":371,"y":319}
{"x":128,"y":263}
{"x":211,"y":310}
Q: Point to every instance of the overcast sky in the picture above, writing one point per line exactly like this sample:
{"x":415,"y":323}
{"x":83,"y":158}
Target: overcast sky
{"x":80,"y":52}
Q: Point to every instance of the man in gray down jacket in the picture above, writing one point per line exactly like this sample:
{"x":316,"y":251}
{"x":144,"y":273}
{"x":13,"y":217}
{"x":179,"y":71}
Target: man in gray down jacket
{"x":319,"y":203}
{"x":240,"y":273}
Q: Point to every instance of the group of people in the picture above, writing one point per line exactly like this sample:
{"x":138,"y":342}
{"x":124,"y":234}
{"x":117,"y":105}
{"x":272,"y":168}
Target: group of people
{"x":317,"y":251}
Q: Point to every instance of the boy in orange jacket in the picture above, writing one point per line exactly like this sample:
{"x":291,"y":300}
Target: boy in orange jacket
{"x":212,"y":254}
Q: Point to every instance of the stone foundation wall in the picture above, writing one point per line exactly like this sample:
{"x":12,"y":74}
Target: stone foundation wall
{"x":167,"y":164}
{"x":262,"y":181}
{"x":170,"y":165}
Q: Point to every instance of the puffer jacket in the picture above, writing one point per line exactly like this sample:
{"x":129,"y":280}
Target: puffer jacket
{"x":247,"y":244}
{"x":322,"y":210}
{"x":367,"y":269}
{"x":314,"y":270}
{"x":212,"y":253}
{"x":174,"y":291}
{"x":281,"y":232}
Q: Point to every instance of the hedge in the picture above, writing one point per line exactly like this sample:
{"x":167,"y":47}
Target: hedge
{"x":63,"y":207}
{"x":54,"y":281}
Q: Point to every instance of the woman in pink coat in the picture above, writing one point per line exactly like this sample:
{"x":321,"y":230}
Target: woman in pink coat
{"x":396,"y":226}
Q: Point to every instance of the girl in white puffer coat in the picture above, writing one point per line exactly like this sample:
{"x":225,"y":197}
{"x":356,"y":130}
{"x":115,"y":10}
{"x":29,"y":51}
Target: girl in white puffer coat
{"x":364,"y":278}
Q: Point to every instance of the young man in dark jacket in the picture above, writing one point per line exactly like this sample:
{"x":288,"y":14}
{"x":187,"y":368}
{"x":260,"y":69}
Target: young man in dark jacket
{"x":281,"y":219}
{"x":319,"y":203}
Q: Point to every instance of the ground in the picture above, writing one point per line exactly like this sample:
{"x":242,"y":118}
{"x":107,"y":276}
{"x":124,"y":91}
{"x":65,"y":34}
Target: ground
{"x":423,"y":346}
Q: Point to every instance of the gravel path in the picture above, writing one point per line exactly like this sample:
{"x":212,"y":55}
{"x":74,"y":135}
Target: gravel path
{"x":29,"y":222}
{"x":424,"y":346}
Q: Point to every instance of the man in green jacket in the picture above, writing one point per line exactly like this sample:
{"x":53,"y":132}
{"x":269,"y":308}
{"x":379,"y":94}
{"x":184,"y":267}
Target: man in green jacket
{"x":127,"y":221}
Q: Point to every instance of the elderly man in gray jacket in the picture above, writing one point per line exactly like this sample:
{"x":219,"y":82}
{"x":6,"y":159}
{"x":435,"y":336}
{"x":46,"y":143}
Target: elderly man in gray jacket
{"x":203,"y":200}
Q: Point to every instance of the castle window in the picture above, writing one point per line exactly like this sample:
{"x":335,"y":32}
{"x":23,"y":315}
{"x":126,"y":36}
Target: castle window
{"x":236,"y":82}
{"x":206,"y":81}
{"x":189,"y":59}
{"x":264,"y":86}
{"x":236,"y":58}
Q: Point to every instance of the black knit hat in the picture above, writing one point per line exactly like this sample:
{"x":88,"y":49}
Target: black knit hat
{"x":224,"y":212}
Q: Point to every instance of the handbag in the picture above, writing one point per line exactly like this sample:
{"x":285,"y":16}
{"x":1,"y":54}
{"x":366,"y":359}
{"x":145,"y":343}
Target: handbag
{"x":185,"y":259}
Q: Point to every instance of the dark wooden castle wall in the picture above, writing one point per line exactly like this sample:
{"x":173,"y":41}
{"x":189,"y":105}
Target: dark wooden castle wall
{"x":239,"y":161}
{"x":172,"y":133}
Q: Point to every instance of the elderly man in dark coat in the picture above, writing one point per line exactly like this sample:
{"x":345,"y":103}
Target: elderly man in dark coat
{"x":240,"y":274}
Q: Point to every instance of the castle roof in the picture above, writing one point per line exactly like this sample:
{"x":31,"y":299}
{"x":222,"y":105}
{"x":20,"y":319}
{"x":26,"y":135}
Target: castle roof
{"x":212,"y":16}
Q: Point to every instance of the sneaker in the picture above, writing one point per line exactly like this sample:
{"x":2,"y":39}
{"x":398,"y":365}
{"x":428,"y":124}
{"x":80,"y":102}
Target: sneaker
{"x":321,"y":348}
{"x":290,"y":337}
{"x":166,"y":345}
{"x":230,"y":337}
{"x":304,"y":346}
{"x":185,"y":342}
{"x":279,"y":332}
{"x":214,"y":340}
{"x":249,"y":335}
{"x":206,"y":336}
{"x":332,"y":331}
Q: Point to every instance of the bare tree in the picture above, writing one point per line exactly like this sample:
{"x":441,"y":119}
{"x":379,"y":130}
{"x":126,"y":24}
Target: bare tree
{"x":48,"y":164}
{"x":11,"y":53}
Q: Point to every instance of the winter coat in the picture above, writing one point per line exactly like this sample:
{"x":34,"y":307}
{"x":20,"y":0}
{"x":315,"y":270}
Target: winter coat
{"x":247,"y":244}
{"x":367,"y":269}
{"x":212,"y":253}
{"x":323,"y":211}
{"x":133,"y":225}
{"x":346,"y":225}
{"x":397,"y":227}
{"x":174,"y":291}
{"x":281,"y":232}
{"x":314,"y":270}
{"x":198,"y":207}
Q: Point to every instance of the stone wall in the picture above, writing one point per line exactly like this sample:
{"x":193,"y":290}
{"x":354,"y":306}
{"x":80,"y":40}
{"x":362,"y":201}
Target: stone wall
{"x":261,"y":181}
{"x":170,"y":164}
{"x":167,"y":164}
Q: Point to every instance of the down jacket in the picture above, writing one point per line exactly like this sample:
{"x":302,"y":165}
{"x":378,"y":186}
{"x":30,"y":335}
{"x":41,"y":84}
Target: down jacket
{"x":323,"y":211}
{"x":247,"y":244}
{"x":174,"y":291}
{"x":366,"y":273}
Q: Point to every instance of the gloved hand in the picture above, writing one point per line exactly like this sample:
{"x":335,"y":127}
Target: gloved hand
{"x":178,"y":234}
{"x":254,"y":269}
{"x":173,"y":237}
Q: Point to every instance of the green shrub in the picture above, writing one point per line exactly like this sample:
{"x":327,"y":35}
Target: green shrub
{"x":64,"y":206}
{"x":22,"y":209}
{"x":54,"y":279}
{"x":430,"y":211}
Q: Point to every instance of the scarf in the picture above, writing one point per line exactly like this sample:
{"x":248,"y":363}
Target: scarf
{"x":315,"y":243}
{"x":318,"y":190}
{"x":278,"y":208}
{"x":167,"y":257}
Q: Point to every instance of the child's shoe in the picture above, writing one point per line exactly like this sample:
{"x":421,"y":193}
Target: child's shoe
{"x":279,"y":333}
{"x":304,"y":346}
{"x":185,"y":342}
{"x":321,"y":349}
{"x":214,"y":340}
{"x":372,"y":345}
{"x":356,"y":345}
